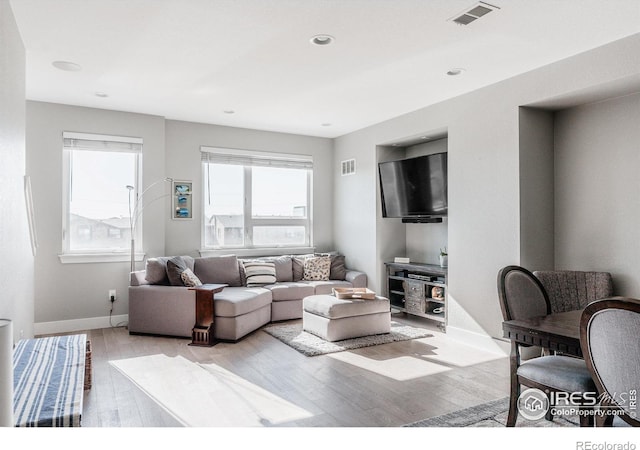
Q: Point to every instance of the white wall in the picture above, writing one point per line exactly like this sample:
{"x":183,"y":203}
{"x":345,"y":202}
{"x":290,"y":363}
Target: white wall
{"x":16,"y":264}
{"x":76,"y":292}
{"x":597,"y":203}
{"x":484,"y":183}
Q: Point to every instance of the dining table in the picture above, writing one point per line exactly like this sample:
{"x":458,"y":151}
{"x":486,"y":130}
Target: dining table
{"x":557,"y":332}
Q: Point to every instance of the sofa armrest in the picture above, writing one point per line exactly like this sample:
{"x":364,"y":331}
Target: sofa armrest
{"x":357,"y":279}
{"x":162,"y":310}
{"x":137,"y":278}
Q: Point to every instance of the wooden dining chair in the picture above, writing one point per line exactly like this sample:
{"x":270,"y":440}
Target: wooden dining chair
{"x":611,"y":349}
{"x":522,"y":296}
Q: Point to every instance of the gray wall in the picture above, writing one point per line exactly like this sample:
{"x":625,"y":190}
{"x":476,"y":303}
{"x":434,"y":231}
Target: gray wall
{"x":487,"y":154}
{"x":597,"y":203}
{"x":393,"y":241}
{"x":80,"y":291}
{"x":16,"y":264}
{"x":183,"y":140}
{"x":536,"y":188}
{"x":484,"y":223}
{"x":424,"y":240}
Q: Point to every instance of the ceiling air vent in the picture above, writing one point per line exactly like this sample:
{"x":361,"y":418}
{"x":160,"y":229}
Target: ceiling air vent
{"x":473,"y":13}
{"x":348,"y":167}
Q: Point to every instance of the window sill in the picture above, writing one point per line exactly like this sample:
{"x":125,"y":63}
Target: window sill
{"x":87,"y":258}
{"x":272,"y":251}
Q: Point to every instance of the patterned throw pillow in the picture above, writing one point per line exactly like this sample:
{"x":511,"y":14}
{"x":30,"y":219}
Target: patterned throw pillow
{"x":190,"y":279}
{"x":259,"y":273}
{"x":317,"y":268}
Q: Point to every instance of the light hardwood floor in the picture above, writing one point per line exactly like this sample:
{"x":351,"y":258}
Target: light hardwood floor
{"x":382,"y":386}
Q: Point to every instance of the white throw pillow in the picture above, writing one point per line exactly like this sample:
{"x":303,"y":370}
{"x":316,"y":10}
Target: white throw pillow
{"x":259,"y":273}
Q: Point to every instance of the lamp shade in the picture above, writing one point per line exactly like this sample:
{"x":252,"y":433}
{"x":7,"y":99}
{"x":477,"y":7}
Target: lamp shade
{"x":6,"y":373}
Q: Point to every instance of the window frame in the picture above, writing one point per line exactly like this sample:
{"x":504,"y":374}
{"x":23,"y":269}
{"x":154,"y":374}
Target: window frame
{"x":88,"y":255}
{"x":249,"y":222}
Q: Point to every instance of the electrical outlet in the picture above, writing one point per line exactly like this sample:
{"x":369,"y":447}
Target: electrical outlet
{"x":112,"y":295}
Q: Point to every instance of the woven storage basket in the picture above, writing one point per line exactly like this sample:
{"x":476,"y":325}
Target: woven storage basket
{"x":87,"y":367}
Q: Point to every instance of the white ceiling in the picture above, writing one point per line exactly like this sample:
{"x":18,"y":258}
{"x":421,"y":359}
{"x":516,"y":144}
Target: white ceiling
{"x":193,"y":59}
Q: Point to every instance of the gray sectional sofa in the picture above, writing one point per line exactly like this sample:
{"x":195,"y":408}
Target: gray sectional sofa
{"x":160,"y":305}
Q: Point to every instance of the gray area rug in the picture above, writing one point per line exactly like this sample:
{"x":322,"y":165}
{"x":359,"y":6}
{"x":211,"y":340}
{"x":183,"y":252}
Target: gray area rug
{"x":490,"y":414}
{"x":311,"y":345}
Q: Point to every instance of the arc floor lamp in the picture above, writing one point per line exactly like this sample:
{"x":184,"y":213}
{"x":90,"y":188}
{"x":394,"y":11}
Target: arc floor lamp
{"x":136,"y":207}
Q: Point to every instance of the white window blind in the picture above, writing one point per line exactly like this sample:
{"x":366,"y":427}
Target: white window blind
{"x":255,"y":159}
{"x":100,"y":142}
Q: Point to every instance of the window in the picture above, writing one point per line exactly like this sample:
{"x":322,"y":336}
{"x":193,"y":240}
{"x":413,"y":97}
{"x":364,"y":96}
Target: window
{"x":255,"y":199}
{"x":98,"y":169}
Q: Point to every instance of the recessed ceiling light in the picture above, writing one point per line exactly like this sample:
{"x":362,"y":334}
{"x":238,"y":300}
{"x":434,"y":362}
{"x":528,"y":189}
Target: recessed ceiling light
{"x":322,"y":39}
{"x":229,"y":111}
{"x":101,"y":94}
{"x":326,"y":124}
{"x":66,"y":66}
{"x":424,"y":137}
{"x":454,"y":72}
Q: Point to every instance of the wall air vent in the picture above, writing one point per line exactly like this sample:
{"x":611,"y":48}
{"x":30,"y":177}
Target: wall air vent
{"x":348,"y":167}
{"x":473,"y":13}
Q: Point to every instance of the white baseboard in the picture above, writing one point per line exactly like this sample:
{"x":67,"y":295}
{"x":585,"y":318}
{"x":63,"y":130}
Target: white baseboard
{"x":480,"y":341}
{"x":90,"y":323}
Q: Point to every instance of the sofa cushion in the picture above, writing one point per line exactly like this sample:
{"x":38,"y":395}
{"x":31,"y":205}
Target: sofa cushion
{"x":190,"y":279}
{"x":218,"y":270}
{"x":156,"y":269}
{"x":175,"y":267}
{"x":297,"y":264}
{"x":317,"y":268}
{"x":338,"y":270}
{"x":290,"y":291}
{"x":236,"y":301}
{"x":284,"y":267}
{"x":259,"y":273}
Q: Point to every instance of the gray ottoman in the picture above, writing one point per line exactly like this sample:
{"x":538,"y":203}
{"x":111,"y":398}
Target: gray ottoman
{"x":335,"y":319}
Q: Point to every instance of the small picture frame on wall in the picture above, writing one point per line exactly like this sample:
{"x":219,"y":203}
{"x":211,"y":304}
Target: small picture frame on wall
{"x":182,"y":207}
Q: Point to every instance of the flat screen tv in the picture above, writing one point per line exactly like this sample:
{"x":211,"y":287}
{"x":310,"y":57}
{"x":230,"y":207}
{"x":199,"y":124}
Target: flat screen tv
{"x":415,"y":189}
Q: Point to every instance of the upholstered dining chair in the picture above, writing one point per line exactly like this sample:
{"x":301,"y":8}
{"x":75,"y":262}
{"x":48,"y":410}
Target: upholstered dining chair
{"x":574,"y":289}
{"x":522,"y":296}
{"x":611,"y":349}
